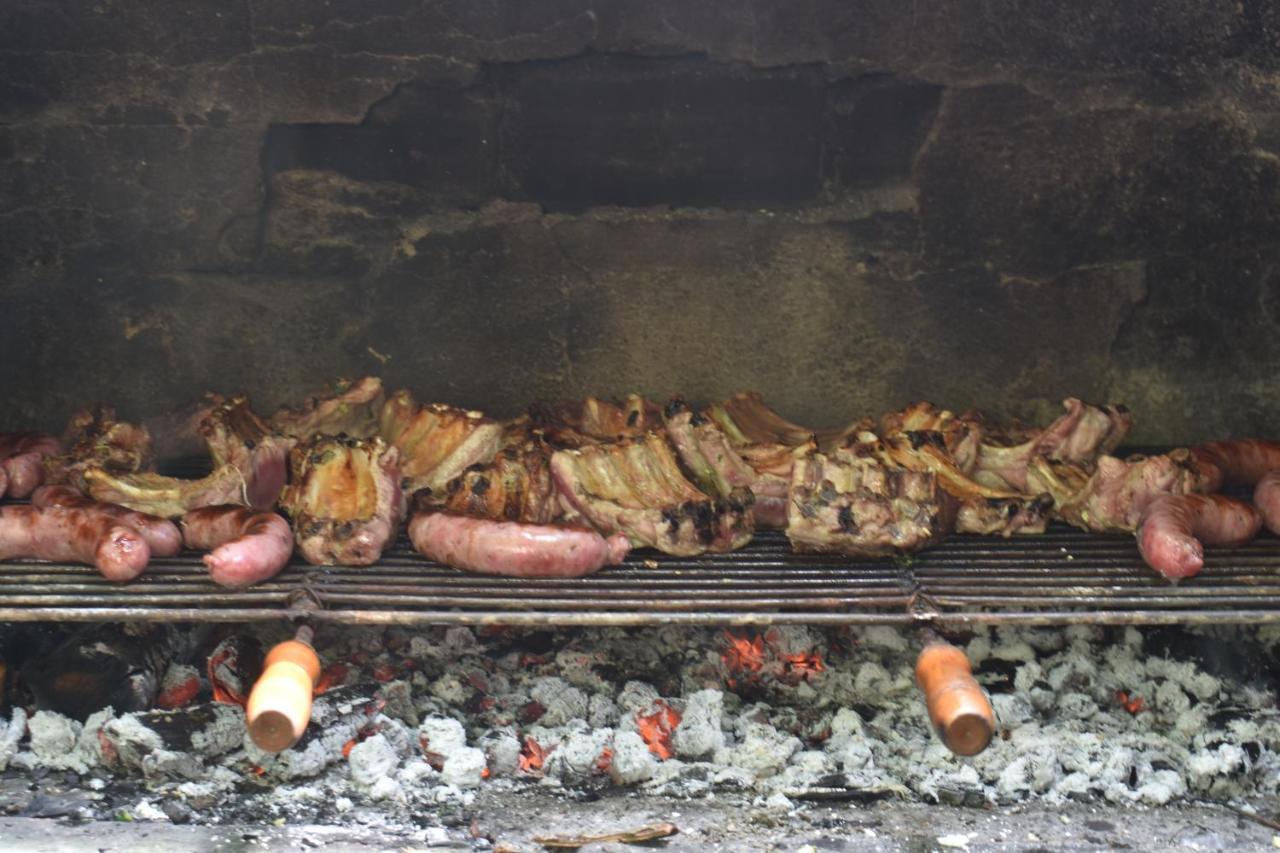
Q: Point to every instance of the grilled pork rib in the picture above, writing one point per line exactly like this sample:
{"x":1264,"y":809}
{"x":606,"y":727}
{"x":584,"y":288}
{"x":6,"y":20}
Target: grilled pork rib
{"x":95,"y":439}
{"x":635,"y":487}
{"x":980,"y":509}
{"x":769,"y":444}
{"x":436,"y":442}
{"x":249,"y":469}
{"x":351,"y":409}
{"x":1081,"y":435}
{"x":515,"y":486}
{"x":345,"y":499}
{"x":856,"y":505}
{"x":578,"y":423}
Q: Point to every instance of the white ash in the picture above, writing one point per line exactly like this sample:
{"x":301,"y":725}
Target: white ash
{"x":1085,"y":713}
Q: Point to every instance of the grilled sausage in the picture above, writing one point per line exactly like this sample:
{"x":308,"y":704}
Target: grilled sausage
{"x":73,"y":535}
{"x":1174,"y":526}
{"x":1247,"y":462}
{"x":247,"y":546}
{"x":162,"y":535}
{"x":22,"y":458}
{"x":514,"y":549}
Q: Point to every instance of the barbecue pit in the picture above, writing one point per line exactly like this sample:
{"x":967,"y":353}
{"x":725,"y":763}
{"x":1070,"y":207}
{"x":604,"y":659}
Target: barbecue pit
{"x":845,"y":208}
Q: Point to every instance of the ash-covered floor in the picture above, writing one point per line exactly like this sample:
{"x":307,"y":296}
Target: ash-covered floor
{"x":511,"y":821}
{"x":771,"y":739}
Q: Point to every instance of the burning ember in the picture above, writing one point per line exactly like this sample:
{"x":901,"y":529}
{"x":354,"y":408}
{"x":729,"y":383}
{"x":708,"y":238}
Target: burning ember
{"x":656,"y":729}
{"x":532,"y":757}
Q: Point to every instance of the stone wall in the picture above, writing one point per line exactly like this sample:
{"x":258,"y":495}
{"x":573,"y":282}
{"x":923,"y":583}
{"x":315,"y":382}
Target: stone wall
{"x":844,"y":205}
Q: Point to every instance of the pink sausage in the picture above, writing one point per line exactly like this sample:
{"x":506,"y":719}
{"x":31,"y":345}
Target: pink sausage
{"x":23,"y":460}
{"x":1174,"y":526}
{"x":162,"y":535}
{"x":1266,"y":497}
{"x":73,"y":535}
{"x":247,"y":546}
{"x":514,"y":549}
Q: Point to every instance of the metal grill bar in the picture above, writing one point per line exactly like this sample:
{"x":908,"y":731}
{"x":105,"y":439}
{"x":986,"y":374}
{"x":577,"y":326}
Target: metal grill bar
{"x":1062,"y":576}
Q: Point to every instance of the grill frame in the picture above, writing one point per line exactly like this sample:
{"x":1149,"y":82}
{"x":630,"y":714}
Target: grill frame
{"x":1060,"y":577}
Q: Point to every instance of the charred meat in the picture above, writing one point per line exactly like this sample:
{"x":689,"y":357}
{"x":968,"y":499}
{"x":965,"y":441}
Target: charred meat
{"x":856,"y":505}
{"x":1081,"y":435}
{"x":95,"y":439}
{"x":980,"y":509}
{"x":635,"y":487}
{"x":249,"y":469}
{"x":515,"y":486}
{"x":350,"y":408}
{"x":345,"y":499}
{"x":436,"y":442}
{"x":769,"y":445}
{"x":578,"y":423}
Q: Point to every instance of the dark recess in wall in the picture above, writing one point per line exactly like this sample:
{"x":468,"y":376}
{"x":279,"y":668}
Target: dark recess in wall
{"x":601,"y":130}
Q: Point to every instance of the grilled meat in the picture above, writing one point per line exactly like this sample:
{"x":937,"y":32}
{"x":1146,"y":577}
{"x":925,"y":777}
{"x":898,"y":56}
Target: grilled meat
{"x":1081,"y":435}
{"x":436,"y":442}
{"x":515,"y":486}
{"x":1246,"y":462}
{"x":768,"y":444}
{"x":704,"y":449}
{"x":73,"y":535}
{"x":245,"y":547}
{"x":22,"y":456}
{"x":352,"y":408}
{"x":514,"y":549}
{"x":1111,"y":496}
{"x":249,"y":469}
{"x":345,"y":499}
{"x":857,"y":505}
{"x":961,"y":435}
{"x":1173,"y":528}
{"x":980,"y":509}
{"x":239,"y":438}
{"x":635,"y":487}
{"x":95,"y":439}
{"x":578,"y":423}
{"x":162,"y":535}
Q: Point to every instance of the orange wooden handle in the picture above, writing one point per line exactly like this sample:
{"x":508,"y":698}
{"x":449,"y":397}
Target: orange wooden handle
{"x":958,"y":706}
{"x":279,"y":707}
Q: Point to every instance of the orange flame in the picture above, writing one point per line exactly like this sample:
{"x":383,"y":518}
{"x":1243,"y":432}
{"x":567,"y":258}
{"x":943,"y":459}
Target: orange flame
{"x":532,"y":756}
{"x":222,"y":692}
{"x":655,"y":729}
{"x":743,"y":655}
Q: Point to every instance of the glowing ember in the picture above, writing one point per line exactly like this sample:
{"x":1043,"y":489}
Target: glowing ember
{"x":605,"y":760}
{"x":348,"y":746}
{"x":333,"y":675}
{"x":178,"y":695}
{"x":484,"y":774}
{"x":532,"y":756}
{"x":655,"y":729}
{"x":1134,"y":705}
{"x":805,"y":666}
{"x":743,"y":655}
{"x":221,"y":668}
{"x":384,"y":672}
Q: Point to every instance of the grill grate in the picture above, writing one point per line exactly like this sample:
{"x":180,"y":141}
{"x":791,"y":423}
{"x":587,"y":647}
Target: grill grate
{"x":1060,"y":577}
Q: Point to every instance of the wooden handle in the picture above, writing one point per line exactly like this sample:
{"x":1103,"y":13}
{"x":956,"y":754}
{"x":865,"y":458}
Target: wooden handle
{"x":958,"y":706}
{"x":280,"y":705}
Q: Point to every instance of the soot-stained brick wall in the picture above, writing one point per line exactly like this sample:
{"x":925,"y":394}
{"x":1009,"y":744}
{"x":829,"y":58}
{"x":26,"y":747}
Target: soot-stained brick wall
{"x":844,"y":205}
